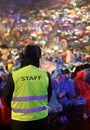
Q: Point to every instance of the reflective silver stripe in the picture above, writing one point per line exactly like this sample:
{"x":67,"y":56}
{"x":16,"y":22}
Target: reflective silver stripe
{"x":30,"y":98}
{"x":29,"y":110}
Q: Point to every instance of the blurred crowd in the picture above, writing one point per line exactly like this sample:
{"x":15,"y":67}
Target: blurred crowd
{"x":62,"y":26}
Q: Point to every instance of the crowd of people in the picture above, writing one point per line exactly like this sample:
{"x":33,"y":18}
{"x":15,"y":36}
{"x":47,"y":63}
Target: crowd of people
{"x":53,"y":26}
{"x":72,"y":92}
{"x":70,"y":82}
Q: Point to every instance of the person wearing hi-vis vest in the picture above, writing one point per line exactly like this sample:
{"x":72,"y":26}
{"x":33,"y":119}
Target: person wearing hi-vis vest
{"x":28,"y":91}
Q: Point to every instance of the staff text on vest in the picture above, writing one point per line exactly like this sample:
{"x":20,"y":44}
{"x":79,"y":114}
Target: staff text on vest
{"x":23,"y":78}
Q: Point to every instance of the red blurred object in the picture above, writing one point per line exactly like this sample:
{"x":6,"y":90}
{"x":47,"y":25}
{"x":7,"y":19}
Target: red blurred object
{"x":64,"y":56}
{"x":5,"y":113}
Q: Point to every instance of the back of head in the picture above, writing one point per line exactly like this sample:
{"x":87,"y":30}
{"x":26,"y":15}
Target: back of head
{"x":31,"y":55}
{"x":66,"y":71}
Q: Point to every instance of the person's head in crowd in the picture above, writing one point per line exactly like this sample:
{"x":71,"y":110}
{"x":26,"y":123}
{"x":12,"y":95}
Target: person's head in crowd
{"x":4,"y":48}
{"x":30,"y":55}
{"x":57,"y":74}
{"x":71,"y":49}
{"x":66,"y":73}
{"x":3,"y":76}
{"x":5,"y":52}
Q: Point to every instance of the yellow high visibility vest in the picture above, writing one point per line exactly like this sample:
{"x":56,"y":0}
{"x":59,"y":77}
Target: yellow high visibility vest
{"x":29,"y":101}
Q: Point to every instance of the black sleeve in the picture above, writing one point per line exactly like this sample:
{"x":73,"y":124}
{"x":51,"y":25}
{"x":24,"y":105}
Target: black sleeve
{"x":8,"y":91}
{"x":49,"y":87}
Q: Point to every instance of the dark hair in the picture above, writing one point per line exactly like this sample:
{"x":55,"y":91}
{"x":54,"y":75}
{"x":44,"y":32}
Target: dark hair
{"x":0,"y":80}
{"x":31,"y":55}
{"x":66,"y":71}
{"x":4,"y":46}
